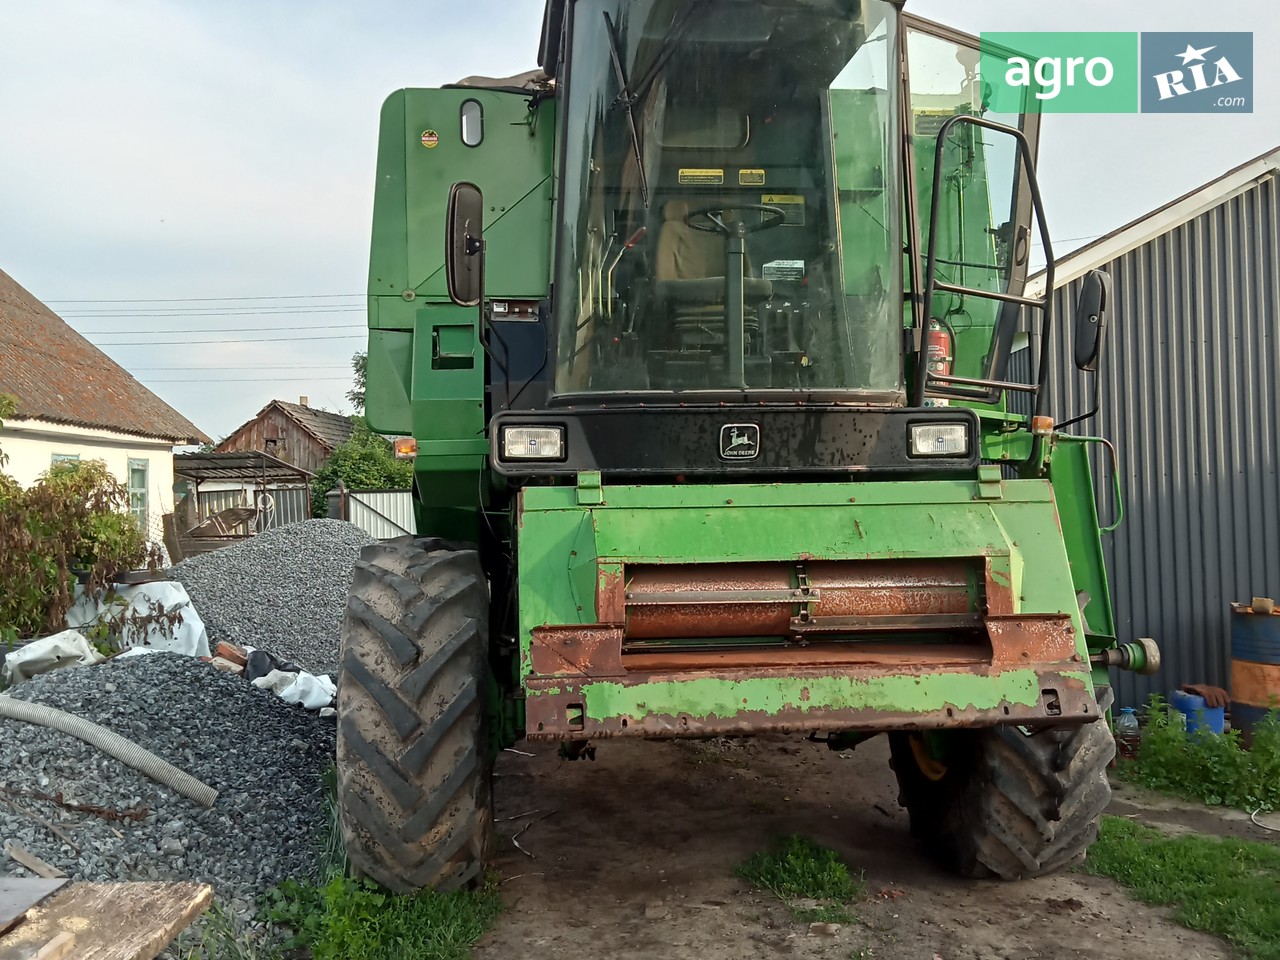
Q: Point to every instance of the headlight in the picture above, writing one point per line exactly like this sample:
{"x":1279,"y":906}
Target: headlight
{"x":532,"y":443}
{"x":939,"y":439}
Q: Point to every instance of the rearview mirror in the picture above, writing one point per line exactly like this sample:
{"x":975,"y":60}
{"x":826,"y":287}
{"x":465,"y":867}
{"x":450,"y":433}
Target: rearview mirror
{"x":464,"y":244}
{"x":1091,"y":319}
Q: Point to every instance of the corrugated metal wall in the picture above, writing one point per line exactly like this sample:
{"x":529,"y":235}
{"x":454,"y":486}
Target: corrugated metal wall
{"x":1188,"y":385}
{"x":383,"y":514}
{"x":291,"y":505}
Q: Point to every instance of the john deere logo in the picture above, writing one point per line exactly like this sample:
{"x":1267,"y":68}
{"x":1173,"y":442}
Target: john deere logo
{"x":739,"y":441}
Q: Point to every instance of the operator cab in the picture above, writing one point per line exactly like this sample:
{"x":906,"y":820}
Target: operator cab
{"x":726,"y":222}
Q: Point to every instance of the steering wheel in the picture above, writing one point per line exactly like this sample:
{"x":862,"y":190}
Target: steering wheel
{"x":712,"y":219}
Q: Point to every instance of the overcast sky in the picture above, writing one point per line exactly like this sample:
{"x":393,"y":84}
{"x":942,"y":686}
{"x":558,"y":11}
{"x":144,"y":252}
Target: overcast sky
{"x":164,"y":150}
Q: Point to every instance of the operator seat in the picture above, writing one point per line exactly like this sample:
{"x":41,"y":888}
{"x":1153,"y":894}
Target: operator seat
{"x":690,"y":265}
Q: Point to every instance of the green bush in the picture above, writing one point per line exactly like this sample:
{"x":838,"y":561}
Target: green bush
{"x":365,"y":462}
{"x":1213,"y":768}
{"x":72,"y":524}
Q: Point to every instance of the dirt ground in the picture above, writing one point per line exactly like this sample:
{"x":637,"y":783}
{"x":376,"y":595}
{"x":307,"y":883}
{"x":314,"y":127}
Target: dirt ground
{"x":637,"y":861}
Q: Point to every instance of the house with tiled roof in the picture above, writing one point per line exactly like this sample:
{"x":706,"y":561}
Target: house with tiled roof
{"x":296,"y":433}
{"x":76,"y":403}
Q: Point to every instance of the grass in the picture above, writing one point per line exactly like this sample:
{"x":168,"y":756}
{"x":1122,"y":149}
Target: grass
{"x":1230,"y":888}
{"x":797,"y":869}
{"x":1212,"y":769}
{"x":349,"y":919}
{"x":221,"y":936}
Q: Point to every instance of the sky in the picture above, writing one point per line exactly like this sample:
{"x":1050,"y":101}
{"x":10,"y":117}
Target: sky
{"x":190,"y":184}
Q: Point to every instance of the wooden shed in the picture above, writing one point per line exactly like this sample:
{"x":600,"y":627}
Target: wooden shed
{"x":292,"y":432}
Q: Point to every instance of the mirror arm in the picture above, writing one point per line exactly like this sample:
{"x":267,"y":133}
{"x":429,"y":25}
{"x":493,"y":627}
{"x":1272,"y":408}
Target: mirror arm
{"x":1097,"y":405}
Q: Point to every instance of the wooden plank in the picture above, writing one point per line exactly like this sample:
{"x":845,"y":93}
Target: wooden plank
{"x":58,"y":948}
{"x":110,"y":921}
{"x":24,"y":857}
{"x":20,"y":894}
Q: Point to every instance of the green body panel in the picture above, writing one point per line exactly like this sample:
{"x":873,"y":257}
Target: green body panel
{"x":1078,"y":510}
{"x":714,"y":697}
{"x":427,"y":370}
{"x":563,"y":541}
{"x":512,"y":165}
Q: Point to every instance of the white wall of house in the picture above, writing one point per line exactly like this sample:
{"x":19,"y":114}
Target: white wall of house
{"x":32,"y":446}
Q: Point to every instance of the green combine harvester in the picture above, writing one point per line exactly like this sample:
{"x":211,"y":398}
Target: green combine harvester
{"x":705,"y":333}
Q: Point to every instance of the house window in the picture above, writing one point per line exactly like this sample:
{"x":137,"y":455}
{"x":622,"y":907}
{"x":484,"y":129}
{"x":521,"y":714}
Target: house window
{"x":66,"y":458}
{"x":138,"y":505}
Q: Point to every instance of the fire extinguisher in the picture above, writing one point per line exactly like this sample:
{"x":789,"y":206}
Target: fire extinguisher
{"x":939,"y":346}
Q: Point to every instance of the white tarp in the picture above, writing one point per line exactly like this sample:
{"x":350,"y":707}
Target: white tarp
{"x":63,"y":649}
{"x":307,"y":689}
{"x":134,"y":606}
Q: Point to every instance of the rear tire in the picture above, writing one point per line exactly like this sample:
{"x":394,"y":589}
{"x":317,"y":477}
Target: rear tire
{"x":414,"y":765}
{"x":1011,"y":805}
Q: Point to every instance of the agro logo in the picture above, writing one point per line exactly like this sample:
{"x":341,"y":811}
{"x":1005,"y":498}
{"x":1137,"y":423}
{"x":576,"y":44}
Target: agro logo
{"x":739,"y":441}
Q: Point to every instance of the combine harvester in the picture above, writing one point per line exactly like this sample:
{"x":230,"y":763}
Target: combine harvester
{"x":704,"y":333}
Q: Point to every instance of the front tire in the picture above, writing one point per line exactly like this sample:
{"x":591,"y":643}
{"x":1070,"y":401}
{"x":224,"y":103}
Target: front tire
{"x":414,"y":765}
{"x":1010,"y":804}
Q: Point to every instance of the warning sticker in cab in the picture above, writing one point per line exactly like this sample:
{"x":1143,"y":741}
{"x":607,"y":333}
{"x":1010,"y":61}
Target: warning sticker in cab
{"x":697,"y":175}
{"x":792,"y":204}
{"x":751,"y":178}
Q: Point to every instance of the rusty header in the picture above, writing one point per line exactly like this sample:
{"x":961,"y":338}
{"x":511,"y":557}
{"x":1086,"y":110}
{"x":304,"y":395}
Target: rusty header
{"x":781,"y":599}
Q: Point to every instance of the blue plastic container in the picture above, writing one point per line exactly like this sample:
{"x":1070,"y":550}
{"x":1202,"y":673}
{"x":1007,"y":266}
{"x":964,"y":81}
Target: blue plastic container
{"x":1198,"y":715}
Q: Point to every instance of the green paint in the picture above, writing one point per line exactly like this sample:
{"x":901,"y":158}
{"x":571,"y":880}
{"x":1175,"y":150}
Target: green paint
{"x":716,"y":698}
{"x":426,"y":372}
{"x":1018,"y":533}
{"x":1073,"y":490}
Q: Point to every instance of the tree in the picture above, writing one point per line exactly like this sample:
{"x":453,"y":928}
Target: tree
{"x":359,"y":372}
{"x":365,"y":462}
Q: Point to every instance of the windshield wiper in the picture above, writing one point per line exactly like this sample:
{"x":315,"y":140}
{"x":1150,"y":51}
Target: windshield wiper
{"x":675,"y":36}
{"x":628,"y":100}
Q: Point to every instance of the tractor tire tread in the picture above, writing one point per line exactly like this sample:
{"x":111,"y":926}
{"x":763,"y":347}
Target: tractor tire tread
{"x":414,"y":764}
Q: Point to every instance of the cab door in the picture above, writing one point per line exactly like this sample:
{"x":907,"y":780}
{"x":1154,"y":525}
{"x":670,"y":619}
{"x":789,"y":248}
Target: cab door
{"x":985,"y":228}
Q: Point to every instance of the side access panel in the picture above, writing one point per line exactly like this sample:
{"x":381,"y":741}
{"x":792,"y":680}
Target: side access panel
{"x":426,"y":371}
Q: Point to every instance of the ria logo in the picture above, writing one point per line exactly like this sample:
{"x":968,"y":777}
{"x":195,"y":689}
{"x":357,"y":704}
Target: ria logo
{"x":739,"y":441}
{"x":1197,"y":73}
{"x":1179,"y":83}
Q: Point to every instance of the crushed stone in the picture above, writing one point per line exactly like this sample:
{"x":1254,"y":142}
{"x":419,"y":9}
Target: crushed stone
{"x":283,"y":591}
{"x":267,"y":759}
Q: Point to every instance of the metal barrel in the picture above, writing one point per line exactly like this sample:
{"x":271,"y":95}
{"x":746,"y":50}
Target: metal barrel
{"x":1255,"y":667}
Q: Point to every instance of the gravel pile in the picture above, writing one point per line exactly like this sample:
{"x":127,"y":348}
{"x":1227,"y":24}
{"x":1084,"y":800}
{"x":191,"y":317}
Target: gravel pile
{"x":267,"y":759}
{"x":283,"y":591}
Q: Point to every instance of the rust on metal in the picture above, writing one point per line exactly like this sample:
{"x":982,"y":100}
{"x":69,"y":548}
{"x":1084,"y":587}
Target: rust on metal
{"x":765,"y":599}
{"x":821,"y":655}
{"x":586,"y":650}
{"x":1032,"y":638}
{"x":817,"y":619}
{"x":609,"y":593}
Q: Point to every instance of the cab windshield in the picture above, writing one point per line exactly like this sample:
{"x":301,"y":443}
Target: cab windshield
{"x":731,"y":212}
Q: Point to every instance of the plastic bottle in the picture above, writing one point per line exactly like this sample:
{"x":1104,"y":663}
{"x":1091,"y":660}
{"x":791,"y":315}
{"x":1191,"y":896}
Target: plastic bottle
{"x":1128,"y":734}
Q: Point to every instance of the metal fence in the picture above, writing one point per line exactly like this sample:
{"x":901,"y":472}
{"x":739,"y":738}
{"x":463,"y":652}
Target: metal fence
{"x":277,"y":507}
{"x":383,"y":514}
